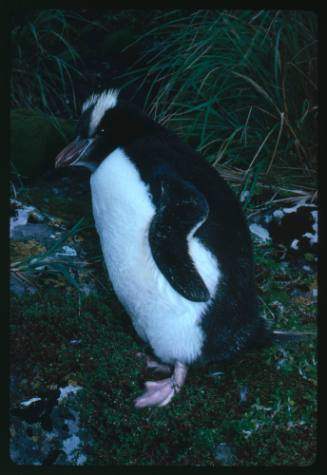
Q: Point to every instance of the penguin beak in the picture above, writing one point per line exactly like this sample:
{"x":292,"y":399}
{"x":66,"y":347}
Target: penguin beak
{"x":71,"y":154}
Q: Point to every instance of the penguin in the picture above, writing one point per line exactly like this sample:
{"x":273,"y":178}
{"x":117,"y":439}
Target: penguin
{"x":175,"y":241}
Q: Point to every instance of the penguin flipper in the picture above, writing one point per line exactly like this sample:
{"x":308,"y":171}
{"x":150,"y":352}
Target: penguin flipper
{"x":181,"y":211}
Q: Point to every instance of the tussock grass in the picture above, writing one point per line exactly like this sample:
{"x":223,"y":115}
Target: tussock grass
{"x":240,"y":86}
{"x":44,"y":61}
{"x":48,"y":260}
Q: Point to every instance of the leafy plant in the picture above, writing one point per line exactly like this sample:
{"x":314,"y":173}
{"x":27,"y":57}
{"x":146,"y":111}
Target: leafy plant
{"x":48,"y":260}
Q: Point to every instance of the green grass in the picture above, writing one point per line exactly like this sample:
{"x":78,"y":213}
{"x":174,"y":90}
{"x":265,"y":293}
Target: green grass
{"x":45,"y":63}
{"x":50,"y":47}
{"x":240,"y":86}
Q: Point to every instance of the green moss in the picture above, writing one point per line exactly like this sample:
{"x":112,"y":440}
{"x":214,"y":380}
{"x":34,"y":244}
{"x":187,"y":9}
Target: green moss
{"x":36,"y":139}
{"x":274,"y":425}
{"x":67,"y":209}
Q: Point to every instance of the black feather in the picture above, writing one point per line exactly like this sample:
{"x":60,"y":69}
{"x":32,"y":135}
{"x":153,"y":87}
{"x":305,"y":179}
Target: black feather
{"x":181,"y":208}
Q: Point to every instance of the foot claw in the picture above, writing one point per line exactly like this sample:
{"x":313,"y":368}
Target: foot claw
{"x":160,"y":393}
{"x":157,"y":367}
{"x":157,"y":393}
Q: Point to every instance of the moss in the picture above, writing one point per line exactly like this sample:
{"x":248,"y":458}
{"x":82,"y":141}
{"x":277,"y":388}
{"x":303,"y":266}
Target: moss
{"x":274,"y":425}
{"x":21,"y":249}
{"x":65,"y":209}
{"x":41,"y":135}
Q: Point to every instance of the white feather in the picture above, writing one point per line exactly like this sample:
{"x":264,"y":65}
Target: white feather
{"x":123,"y":210}
{"x":102,"y":102}
{"x":89,"y":102}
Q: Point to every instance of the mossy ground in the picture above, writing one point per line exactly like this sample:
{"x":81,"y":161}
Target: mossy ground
{"x":274,"y":425}
{"x":46,"y":136}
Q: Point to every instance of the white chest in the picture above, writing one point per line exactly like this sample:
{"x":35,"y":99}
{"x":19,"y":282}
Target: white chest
{"x":123,"y":210}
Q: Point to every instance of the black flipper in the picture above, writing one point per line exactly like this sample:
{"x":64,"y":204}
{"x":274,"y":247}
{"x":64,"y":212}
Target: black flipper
{"x":181,"y":208}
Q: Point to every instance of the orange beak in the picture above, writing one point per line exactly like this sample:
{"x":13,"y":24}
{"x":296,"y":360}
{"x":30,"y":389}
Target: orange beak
{"x":73,"y":152}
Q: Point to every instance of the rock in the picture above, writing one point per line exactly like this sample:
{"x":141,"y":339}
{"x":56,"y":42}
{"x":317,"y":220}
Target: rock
{"x":22,"y":448}
{"x":224,"y":454}
{"x":20,"y":287}
{"x":314,"y":294}
{"x":36,"y":217}
{"x":295,"y":228}
{"x":40,"y":232}
{"x":260,"y":232}
{"x":19,"y":214}
{"x":88,"y":289}
{"x":216,"y":374}
{"x":67,"y":390}
{"x":67,"y":251}
{"x":244,"y":391}
{"x":44,"y":429}
{"x":26,"y":222}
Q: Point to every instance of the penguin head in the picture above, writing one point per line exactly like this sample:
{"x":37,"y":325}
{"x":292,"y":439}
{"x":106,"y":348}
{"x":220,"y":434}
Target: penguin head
{"x":106,"y":122}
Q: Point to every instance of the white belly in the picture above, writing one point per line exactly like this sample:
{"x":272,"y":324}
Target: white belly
{"x":123,"y":210}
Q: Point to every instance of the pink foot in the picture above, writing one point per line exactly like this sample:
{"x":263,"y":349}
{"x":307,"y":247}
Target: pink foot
{"x":154,"y":365}
{"x":157,"y":393}
{"x":158,"y":367}
{"x":160,"y":393}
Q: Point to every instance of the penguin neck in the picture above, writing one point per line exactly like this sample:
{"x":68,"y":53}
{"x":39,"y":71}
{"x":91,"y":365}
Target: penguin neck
{"x":117,"y":189}
{"x":122,"y":209}
{"x":130,"y":123}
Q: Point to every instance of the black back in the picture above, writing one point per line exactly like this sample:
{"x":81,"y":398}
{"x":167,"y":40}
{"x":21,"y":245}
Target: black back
{"x":231,"y":324}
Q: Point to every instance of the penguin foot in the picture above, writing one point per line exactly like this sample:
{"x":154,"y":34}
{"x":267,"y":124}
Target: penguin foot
{"x":154,"y":366}
{"x":160,"y":393}
{"x":157,"y":367}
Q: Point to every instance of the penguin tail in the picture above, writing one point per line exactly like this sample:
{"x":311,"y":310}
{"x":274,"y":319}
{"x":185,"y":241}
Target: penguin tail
{"x":285,"y":336}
